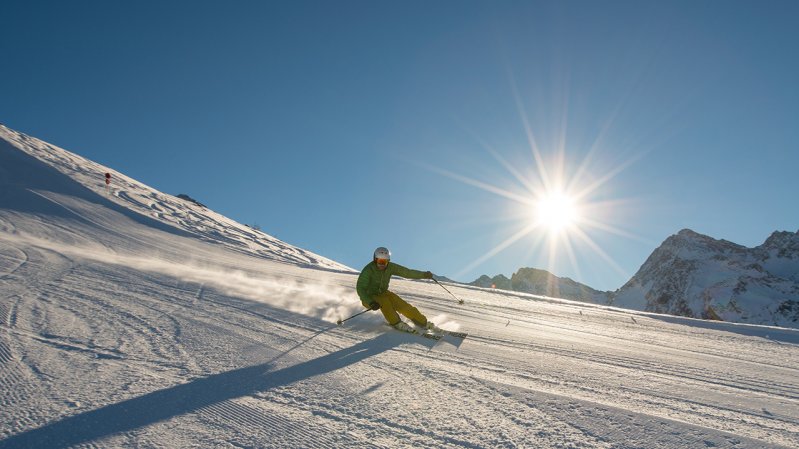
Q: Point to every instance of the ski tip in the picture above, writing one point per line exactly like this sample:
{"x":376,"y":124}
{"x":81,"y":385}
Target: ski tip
{"x":431,"y":336}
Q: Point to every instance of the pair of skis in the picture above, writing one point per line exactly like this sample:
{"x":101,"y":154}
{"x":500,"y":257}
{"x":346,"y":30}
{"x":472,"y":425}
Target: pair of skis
{"x":435,"y":335}
{"x":439,"y":336}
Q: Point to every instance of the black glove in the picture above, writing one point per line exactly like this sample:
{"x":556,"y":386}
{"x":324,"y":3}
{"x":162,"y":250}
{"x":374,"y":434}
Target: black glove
{"x":374,"y":306}
{"x":428,"y":275}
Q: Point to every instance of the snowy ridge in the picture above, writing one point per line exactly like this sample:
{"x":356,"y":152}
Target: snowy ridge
{"x":119,"y":329}
{"x":543,"y":283}
{"x":694,"y":275}
{"x":184,"y":215}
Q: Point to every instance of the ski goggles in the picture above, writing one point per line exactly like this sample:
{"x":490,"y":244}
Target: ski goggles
{"x":381,"y":262}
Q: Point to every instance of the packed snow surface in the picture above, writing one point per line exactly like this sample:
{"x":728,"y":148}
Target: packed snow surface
{"x":128,"y":319}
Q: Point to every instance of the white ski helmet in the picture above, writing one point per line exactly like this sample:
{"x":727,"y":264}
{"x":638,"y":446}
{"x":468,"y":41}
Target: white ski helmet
{"x":382,"y":253}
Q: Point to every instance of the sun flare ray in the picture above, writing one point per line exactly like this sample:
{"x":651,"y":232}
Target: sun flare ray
{"x":587,"y":190}
{"x":528,"y":130}
{"x":481,"y":185}
{"x":604,"y":255}
{"x":497,"y":249}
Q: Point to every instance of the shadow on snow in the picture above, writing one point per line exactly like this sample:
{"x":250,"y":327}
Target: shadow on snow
{"x":190,"y":397}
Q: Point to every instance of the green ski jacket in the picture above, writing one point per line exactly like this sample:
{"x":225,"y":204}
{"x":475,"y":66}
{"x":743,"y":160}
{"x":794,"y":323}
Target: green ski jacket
{"x":373,"y":282}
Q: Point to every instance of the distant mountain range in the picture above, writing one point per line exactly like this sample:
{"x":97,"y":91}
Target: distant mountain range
{"x":542,"y":282}
{"x":693,"y":275}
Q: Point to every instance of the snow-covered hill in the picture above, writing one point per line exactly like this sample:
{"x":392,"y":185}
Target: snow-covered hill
{"x":85,"y":180}
{"x":694,"y":275}
{"x":136,"y":319}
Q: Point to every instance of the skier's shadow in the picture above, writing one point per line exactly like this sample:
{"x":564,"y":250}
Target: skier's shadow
{"x":189,"y":397}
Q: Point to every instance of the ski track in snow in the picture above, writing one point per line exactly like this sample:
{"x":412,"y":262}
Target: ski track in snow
{"x":116,"y":331}
{"x":546,"y":379}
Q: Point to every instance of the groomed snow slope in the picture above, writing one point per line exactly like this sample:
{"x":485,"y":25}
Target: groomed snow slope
{"x":119,"y":329}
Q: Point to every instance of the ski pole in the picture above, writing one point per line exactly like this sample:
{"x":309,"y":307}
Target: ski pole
{"x":359,"y":313}
{"x":460,"y":301}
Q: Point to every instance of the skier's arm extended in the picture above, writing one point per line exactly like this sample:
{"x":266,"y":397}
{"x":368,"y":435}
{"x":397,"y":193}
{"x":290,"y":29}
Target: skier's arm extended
{"x":399,"y":270}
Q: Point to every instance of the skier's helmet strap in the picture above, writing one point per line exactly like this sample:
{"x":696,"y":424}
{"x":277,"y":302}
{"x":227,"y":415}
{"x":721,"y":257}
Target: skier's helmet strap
{"x":382,"y":253}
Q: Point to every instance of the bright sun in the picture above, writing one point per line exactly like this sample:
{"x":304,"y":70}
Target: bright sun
{"x":556,"y":211}
{"x":557,"y":198}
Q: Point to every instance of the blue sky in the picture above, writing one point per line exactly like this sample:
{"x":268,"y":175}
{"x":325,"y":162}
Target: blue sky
{"x":430,"y":127}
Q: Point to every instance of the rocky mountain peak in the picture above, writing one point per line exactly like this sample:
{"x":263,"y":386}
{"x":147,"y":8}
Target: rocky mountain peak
{"x":688,"y":239}
{"x":696,"y":275}
{"x":786,"y":244}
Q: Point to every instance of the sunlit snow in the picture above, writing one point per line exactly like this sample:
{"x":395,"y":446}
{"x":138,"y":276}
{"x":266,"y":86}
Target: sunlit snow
{"x":132,"y":318}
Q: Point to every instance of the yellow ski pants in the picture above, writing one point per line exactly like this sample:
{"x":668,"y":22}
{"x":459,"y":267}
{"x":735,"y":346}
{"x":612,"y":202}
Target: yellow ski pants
{"x":390,"y":304}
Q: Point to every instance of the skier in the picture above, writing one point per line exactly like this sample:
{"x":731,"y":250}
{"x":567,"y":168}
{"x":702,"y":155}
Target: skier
{"x":373,"y":290}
